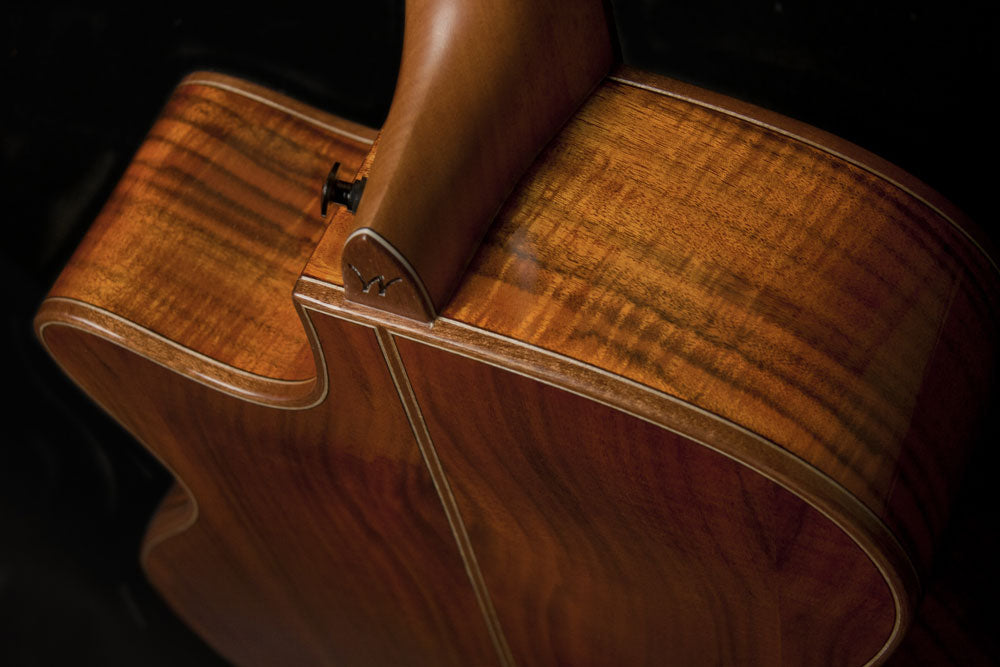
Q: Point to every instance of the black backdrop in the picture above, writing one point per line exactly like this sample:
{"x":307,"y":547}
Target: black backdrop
{"x":908,"y":80}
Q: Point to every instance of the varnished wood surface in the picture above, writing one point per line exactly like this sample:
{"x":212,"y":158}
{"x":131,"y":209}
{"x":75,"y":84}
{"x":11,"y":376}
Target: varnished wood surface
{"x":813,"y":136}
{"x":481,"y":88}
{"x":326,"y":260}
{"x":319,"y":537}
{"x":176,"y":512}
{"x":606,"y":540}
{"x":340,"y":579}
{"x":212,"y":223}
{"x":830,"y":305}
{"x":685,"y":419}
{"x":691,"y":284}
{"x":767,"y":281}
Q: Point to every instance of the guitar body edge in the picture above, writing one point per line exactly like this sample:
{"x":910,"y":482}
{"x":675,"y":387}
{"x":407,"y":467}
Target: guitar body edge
{"x":511,"y":485}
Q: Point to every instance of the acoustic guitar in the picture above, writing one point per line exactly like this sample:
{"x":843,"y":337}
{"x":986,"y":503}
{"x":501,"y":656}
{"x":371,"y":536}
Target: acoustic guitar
{"x":584,"y":366}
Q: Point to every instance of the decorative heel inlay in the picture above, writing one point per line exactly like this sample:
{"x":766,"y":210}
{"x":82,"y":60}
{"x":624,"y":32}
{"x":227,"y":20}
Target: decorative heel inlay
{"x":380,"y":279}
{"x":366,"y":253}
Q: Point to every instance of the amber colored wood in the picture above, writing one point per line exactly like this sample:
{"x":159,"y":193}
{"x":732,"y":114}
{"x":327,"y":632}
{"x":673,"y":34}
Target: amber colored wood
{"x":815,"y":296}
{"x":826,"y":300}
{"x":695,"y":359}
{"x":213,"y":221}
{"x":325,"y":260}
{"x":482,"y":87}
{"x":319,"y":537}
{"x":777,"y":285}
{"x":771,"y":462}
{"x":192,"y":395}
{"x":608,"y":540}
{"x":808,"y":134}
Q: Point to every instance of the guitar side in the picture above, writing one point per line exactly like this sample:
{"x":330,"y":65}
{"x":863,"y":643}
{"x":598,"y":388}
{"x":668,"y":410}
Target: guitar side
{"x":573,"y":486}
{"x":703,"y":393}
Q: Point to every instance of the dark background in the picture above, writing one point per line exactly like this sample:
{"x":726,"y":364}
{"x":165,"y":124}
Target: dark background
{"x":910,"y":81}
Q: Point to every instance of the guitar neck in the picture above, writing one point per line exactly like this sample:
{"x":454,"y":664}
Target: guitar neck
{"x":482,"y":88}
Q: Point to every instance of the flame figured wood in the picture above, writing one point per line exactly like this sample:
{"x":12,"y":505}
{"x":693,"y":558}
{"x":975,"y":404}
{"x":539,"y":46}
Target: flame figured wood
{"x":222,"y":201}
{"x":635,"y":538}
{"x":717,"y":378}
{"x":301,"y":536}
{"x":834,"y":307}
{"x":482,"y":87}
{"x":318,"y":537}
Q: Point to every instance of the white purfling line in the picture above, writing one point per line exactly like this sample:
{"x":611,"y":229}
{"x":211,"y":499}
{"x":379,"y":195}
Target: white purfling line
{"x":280,"y":107}
{"x":205,"y":379}
{"x":857,"y":504}
{"x":445,"y":495}
{"x":145,"y":547}
{"x":472,"y":567}
{"x":832,"y":484}
{"x":874,"y":171}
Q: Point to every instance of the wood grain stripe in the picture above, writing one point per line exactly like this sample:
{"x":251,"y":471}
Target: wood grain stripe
{"x":692,"y":280}
{"x":690,"y":421}
{"x":716,"y":260}
{"x":818,"y":139}
{"x":217,"y":121}
{"x":149,"y":345}
{"x":212,"y":223}
{"x":434,"y":467}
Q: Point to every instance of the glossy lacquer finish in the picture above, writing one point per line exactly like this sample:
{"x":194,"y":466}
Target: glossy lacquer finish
{"x":827,"y":306}
{"x":317,"y":539}
{"x":701,"y":397}
{"x":797,"y":287}
{"x":605,"y":539}
{"x":482,"y":87}
{"x":312,"y":536}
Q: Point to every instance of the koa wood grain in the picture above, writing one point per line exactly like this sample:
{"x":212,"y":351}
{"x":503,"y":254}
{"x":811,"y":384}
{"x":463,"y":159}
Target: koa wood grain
{"x":354,"y":511}
{"x":702,"y":396}
{"x":785,"y":286}
{"x":220,"y":203}
{"x":318,"y":539}
{"x":630,"y":540}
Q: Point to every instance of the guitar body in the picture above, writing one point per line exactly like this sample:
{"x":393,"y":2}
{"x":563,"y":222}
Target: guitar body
{"x":701,"y":396}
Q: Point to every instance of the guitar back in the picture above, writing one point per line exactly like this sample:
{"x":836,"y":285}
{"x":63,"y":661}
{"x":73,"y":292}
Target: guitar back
{"x":700,"y":396}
